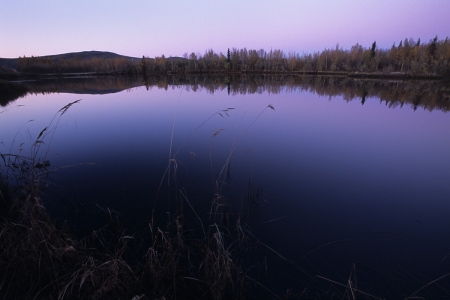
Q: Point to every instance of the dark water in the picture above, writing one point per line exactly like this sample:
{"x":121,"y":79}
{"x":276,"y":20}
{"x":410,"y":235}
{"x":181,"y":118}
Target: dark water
{"x":343,"y":186}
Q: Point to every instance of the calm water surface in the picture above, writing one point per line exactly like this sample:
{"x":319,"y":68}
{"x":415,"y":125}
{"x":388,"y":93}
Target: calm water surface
{"x":343,"y":184}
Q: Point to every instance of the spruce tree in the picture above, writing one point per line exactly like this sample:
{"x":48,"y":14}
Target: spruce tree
{"x":432,"y":48}
{"x":372,"y":51}
{"x":144,"y":66}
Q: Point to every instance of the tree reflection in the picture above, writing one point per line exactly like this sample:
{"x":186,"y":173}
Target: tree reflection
{"x":363,"y":97}
{"x":428,"y":94}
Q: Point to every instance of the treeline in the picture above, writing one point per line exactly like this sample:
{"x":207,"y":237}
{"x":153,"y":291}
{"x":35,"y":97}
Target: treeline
{"x":46,"y":65}
{"x":6,"y":73}
{"x":408,"y":57}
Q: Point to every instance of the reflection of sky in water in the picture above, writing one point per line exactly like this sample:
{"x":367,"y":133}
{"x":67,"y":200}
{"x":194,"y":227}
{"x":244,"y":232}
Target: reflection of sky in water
{"x":337,"y":170}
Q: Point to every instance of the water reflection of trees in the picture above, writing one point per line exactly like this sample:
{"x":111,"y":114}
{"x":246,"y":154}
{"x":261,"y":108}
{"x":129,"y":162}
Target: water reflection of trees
{"x":10,"y":91}
{"x":80,"y":85}
{"x":428,"y":94}
{"x":83,"y":85}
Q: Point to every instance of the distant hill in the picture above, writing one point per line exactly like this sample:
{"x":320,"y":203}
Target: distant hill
{"x":89,"y":55}
{"x":11,"y":63}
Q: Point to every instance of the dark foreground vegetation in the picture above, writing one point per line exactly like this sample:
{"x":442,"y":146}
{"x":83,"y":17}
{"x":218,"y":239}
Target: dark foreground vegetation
{"x":409,"y":58}
{"x":40,"y":261}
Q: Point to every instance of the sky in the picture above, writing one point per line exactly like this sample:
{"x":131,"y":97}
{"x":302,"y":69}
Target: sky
{"x":155,"y":27}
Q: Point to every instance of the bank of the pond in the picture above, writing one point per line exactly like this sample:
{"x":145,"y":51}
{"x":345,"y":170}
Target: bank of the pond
{"x":14,"y":76}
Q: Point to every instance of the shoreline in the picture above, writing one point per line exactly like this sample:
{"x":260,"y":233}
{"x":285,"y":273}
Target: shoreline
{"x":392,"y":75}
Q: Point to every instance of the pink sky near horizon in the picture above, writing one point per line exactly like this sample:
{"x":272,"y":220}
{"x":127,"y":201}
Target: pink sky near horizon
{"x":151,"y":28}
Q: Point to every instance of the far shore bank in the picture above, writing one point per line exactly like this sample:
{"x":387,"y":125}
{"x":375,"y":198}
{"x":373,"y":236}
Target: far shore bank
{"x":393,"y":75}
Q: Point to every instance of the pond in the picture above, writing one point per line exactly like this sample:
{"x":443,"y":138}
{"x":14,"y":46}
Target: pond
{"x":348,"y":177}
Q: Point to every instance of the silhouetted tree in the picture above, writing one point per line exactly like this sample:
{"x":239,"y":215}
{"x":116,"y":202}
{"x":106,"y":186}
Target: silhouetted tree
{"x":144,"y":66}
{"x":372,"y":51}
{"x":432,"y":47}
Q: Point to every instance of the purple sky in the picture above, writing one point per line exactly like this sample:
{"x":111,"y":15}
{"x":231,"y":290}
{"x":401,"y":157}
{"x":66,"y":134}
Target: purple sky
{"x":152,"y":28}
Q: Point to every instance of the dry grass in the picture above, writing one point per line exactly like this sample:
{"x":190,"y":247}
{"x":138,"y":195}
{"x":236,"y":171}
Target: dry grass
{"x":34,"y":254}
{"x":40,"y":261}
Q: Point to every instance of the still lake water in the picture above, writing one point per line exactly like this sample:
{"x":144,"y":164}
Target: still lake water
{"x":343,"y":184}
